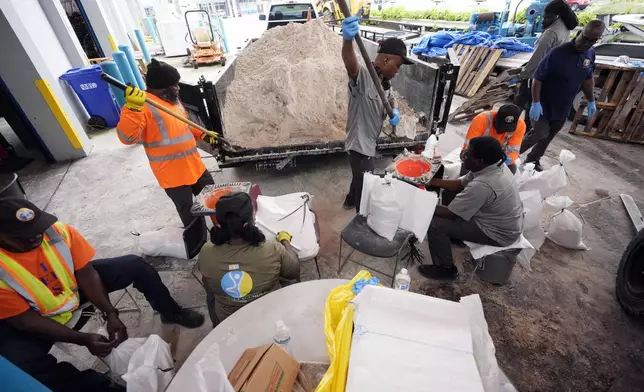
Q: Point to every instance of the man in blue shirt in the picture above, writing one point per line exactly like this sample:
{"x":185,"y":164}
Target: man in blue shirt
{"x":555,"y":84}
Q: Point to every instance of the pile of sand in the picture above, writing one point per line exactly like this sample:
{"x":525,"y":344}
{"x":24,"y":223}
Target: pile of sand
{"x":290,"y":87}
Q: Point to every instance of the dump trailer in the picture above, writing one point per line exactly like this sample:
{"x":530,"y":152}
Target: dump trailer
{"x":428,"y":88}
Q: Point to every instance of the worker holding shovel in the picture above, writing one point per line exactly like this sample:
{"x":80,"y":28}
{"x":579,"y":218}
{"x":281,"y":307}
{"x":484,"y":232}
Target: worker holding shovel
{"x":366,"y":110}
{"x":170,"y":144}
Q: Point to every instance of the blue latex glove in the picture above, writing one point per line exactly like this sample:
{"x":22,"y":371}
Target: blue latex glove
{"x":592,"y":108}
{"x":536,"y":111}
{"x":395,"y":120}
{"x":350,"y":27}
{"x":508,"y":161}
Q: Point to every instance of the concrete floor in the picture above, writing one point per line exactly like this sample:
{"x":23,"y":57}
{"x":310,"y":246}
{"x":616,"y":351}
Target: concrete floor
{"x":555,"y":328}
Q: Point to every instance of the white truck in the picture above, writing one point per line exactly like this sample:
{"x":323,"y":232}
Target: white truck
{"x":281,"y":14}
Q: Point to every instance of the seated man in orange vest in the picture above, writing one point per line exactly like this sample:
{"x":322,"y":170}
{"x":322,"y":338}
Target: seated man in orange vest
{"x":505,"y":126}
{"x":169,"y":143}
{"x":45,"y":273}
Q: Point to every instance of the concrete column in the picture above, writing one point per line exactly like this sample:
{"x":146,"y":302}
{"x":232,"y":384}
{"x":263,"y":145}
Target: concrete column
{"x":102,"y":27}
{"x":33,"y":59}
{"x":59,"y":21}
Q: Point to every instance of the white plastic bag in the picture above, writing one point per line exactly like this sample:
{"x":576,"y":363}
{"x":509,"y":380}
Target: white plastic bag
{"x":384,"y":210}
{"x":550,"y":181}
{"x":165,"y":242}
{"x":151,"y":367}
{"x":209,"y":373}
{"x":484,"y":351}
{"x":564,"y":228}
{"x":532,"y":230}
{"x":119,"y":359}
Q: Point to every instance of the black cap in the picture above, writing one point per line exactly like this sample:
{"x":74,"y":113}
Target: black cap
{"x":237,"y":204}
{"x":161,"y":75}
{"x":507,"y":118}
{"x":395,"y":46}
{"x":22,"y":219}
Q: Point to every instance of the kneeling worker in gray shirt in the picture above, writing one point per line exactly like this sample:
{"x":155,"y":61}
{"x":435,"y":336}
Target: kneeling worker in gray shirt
{"x":487,"y":210}
{"x":366,"y":111}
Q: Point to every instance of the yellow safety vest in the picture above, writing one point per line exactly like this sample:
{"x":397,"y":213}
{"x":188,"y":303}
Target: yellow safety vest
{"x":15,"y":277}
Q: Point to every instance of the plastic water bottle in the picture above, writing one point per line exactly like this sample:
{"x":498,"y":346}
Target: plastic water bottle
{"x":282,"y":335}
{"x":403,"y":280}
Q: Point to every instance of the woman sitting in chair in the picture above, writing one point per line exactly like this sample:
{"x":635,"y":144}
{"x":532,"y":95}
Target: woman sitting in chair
{"x":240,"y":265}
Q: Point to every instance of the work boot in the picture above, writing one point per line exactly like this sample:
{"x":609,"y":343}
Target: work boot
{"x":185,"y":317}
{"x":437,"y":271}
{"x":349,"y":202}
{"x":537,"y":166}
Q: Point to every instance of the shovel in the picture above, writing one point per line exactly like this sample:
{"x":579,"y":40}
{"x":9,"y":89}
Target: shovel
{"x":223,"y":142}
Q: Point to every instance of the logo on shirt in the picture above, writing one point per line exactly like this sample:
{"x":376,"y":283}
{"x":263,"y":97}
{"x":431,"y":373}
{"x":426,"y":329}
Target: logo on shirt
{"x":586,"y":63}
{"x":237,"y":284}
{"x":25,"y":215}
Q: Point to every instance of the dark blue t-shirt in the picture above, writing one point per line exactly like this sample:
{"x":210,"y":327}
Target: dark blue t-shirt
{"x":562,"y":72}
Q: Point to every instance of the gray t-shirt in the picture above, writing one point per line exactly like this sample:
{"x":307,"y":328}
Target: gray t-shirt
{"x":491,"y":200}
{"x":366,"y":114}
{"x":552,"y":37}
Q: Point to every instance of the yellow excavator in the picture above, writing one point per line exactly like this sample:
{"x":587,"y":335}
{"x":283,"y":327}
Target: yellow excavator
{"x":330,"y":11}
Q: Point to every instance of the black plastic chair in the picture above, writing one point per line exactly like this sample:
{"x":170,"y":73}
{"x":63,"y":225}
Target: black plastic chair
{"x":359,"y":236}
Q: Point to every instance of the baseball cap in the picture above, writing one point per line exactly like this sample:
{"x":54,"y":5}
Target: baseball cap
{"x":507,"y":118}
{"x":22,"y":219}
{"x":237,"y":203}
{"x":395,"y":46}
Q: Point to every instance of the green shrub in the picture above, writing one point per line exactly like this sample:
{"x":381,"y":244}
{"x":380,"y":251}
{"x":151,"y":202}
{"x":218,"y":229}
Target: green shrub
{"x":520,"y":16}
{"x":585,"y":17}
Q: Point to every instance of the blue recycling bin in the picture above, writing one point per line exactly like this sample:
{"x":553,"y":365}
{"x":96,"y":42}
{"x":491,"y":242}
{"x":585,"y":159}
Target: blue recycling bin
{"x":95,"y":95}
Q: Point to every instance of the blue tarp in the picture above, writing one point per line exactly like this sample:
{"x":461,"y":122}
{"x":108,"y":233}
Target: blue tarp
{"x":437,"y":44}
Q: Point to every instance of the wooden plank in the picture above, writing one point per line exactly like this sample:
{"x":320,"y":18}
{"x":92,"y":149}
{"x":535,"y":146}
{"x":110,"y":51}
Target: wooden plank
{"x":498,"y":84}
{"x":575,"y":122}
{"x":627,"y":102}
{"x":608,"y":84}
{"x":621,"y":86}
{"x":622,"y":93}
{"x":636,"y":118}
{"x":483,"y":73}
{"x":476,"y":61}
{"x":468,"y":61}
{"x":598,"y":136}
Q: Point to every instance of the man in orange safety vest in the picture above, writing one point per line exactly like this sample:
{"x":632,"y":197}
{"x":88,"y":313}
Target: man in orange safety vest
{"x":170,"y":144}
{"x":46,"y":272}
{"x":505,"y":126}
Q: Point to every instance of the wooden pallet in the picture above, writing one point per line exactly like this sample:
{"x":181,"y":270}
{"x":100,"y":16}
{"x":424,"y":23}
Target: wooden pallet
{"x":476,"y":64}
{"x":499,"y":89}
{"x":620,"y":106}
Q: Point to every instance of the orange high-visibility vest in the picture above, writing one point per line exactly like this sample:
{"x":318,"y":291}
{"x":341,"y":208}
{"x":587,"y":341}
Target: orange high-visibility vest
{"x":169,"y":143}
{"x":15,"y":277}
{"x":483,"y":125}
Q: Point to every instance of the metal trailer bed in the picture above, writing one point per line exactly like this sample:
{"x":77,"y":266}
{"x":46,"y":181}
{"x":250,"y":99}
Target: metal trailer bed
{"x":428,"y":88}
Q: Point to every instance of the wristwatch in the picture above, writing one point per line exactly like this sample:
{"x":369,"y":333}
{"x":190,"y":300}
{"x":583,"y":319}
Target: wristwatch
{"x":113,"y":310}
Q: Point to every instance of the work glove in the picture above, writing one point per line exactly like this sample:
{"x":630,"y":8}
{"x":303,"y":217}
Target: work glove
{"x":395,"y":120}
{"x":592,"y":108}
{"x":284,"y":236}
{"x":134,"y":98}
{"x":209,"y":139}
{"x":350,"y":28}
{"x":536,"y":111}
{"x":508,"y":161}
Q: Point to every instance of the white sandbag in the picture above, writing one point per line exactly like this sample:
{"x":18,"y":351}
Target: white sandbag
{"x":368,"y":183}
{"x":479,"y":251}
{"x":550,"y":181}
{"x":209,"y":373}
{"x":531,"y":201}
{"x":273,"y":216}
{"x":165,"y":242}
{"x":119,"y":359}
{"x":151,"y":367}
{"x":452,"y":170}
{"x":564,"y":228}
{"x":385,"y":212}
{"x":484,"y":351}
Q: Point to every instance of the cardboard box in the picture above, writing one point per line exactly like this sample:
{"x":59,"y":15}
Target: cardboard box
{"x":266,"y":368}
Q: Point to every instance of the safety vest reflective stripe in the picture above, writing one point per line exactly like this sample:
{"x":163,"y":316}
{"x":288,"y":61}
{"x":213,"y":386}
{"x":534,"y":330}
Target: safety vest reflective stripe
{"x":507,"y":137}
{"x":171,"y":157}
{"x":36,"y":293}
{"x":169,"y":142}
{"x":513,"y":149}
{"x":125,"y":138}
{"x":160,"y":123}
